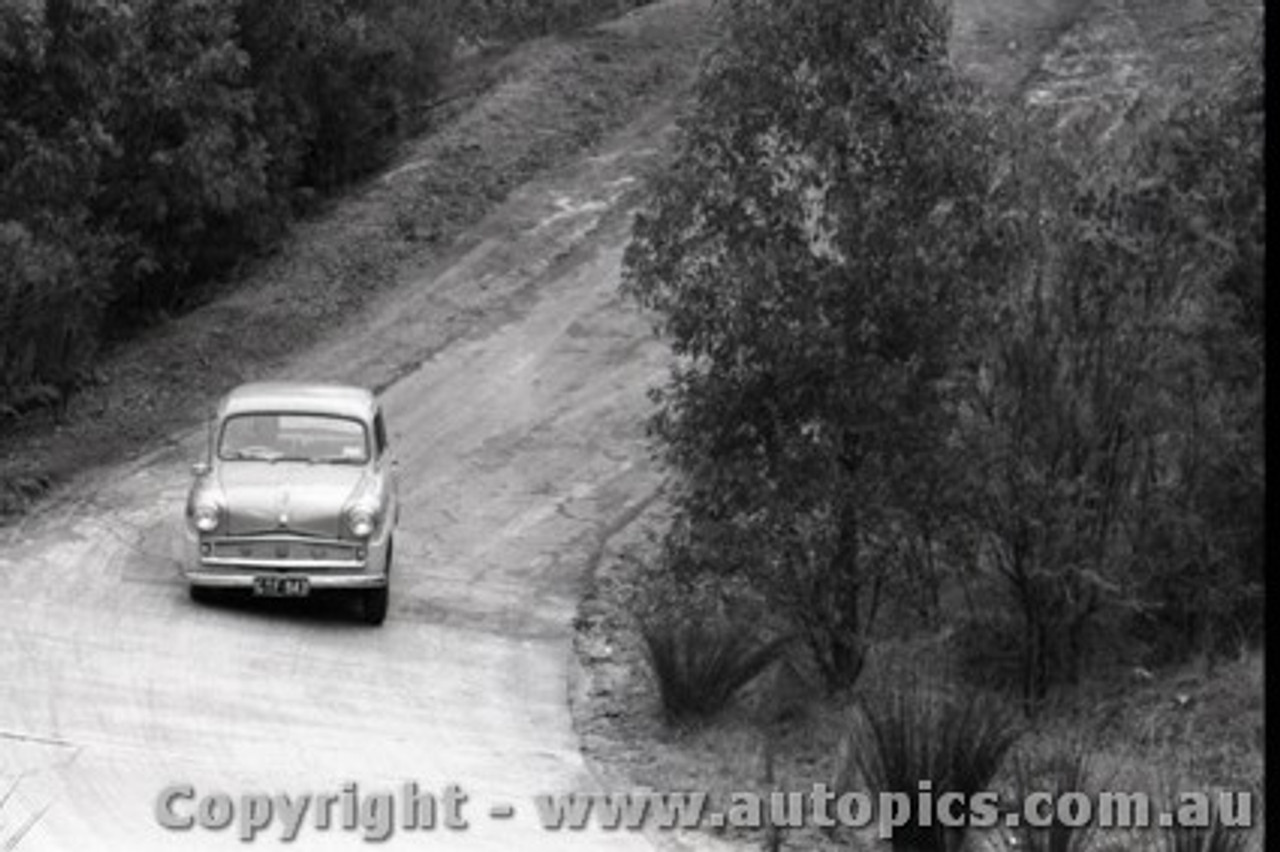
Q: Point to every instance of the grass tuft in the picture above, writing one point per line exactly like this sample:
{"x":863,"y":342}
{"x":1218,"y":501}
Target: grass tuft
{"x":1069,"y":770}
{"x":917,"y":734}
{"x":699,"y":667}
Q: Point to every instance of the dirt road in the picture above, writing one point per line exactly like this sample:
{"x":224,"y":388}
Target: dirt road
{"x":519,"y":448}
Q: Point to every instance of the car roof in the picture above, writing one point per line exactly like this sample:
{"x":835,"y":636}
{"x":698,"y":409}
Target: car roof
{"x":300,"y":398}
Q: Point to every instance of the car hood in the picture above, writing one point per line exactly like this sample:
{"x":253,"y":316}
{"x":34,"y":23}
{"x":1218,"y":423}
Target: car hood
{"x":287,"y":496}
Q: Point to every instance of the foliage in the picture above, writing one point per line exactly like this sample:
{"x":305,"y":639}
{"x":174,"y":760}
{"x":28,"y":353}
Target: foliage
{"x":915,"y":734}
{"x":808,"y":255}
{"x":335,"y":80}
{"x":700,"y":665}
{"x":187,"y":163}
{"x":56,"y":76}
{"x":1201,"y":197}
{"x":1113,"y":420}
{"x":917,"y":335}
{"x":147,"y":147}
{"x":1047,"y":415}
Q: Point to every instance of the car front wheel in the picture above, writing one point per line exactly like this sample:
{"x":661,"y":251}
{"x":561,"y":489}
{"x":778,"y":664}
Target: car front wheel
{"x":375,"y":605}
{"x":374,"y":601}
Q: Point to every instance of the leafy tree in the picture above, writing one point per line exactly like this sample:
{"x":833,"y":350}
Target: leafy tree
{"x":1198,"y":203}
{"x":335,"y":81}
{"x":189,"y":161}
{"x":810,"y":255}
{"x":58,"y":69}
{"x":1114,"y":422}
{"x":145,"y":147}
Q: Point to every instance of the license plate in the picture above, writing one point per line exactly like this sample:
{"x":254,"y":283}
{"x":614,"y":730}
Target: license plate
{"x":281,"y":587}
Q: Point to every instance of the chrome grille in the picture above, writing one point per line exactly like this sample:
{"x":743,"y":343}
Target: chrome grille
{"x":284,"y":552}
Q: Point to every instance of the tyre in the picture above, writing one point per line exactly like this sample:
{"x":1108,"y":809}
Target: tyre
{"x":374,"y":601}
{"x":374,"y":605}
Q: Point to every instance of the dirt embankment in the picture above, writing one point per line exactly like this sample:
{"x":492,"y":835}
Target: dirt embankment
{"x":517,"y":114}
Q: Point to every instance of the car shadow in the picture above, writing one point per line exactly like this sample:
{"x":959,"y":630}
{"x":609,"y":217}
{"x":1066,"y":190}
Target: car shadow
{"x":324,"y":607}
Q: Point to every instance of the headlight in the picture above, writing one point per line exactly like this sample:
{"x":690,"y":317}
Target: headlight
{"x":205,"y":517}
{"x":361,"y":522}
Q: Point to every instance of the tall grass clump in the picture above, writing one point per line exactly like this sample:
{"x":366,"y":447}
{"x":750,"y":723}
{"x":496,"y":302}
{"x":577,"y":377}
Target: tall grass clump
{"x":918,"y":737}
{"x":699,"y":666}
{"x":1067,"y":770}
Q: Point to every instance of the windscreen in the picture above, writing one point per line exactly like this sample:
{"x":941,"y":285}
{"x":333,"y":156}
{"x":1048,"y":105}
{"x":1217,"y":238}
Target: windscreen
{"x":293,"y":437}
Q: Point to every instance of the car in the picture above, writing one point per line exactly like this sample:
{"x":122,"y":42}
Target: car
{"x":297,"y":493}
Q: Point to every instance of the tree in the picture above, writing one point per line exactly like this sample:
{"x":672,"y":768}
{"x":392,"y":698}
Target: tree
{"x":334,"y":80}
{"x":58,"y":76}
{"x":810,"y":255}
{"x":1197,"y":201}
{"x":1113,"y":424}
{"x":189,"y":162}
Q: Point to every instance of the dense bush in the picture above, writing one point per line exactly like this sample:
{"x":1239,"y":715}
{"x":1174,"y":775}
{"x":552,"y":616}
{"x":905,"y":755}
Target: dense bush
{"x":1113,"y":427}
{"x":146,"y":147}
{"x":918,"y":335}
{"x":1199,"y":192}
{"x":56,"y":74}
{"x":187,"y":162}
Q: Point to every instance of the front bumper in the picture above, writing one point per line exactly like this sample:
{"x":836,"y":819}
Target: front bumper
{"x":235,"y":562}
{"x":243,"y":579}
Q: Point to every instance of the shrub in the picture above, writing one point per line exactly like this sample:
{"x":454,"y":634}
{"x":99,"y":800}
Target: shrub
{"x":699,"y":666}
{"x":917,"y":733}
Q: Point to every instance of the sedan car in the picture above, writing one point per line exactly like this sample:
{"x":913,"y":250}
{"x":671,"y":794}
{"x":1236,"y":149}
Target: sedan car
{"x":297,"y":493}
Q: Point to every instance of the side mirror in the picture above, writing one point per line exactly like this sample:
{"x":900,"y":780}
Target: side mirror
{"x":200,"y":468}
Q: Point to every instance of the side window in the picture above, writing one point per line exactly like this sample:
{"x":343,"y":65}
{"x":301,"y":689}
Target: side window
{"x":379,"y":433}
